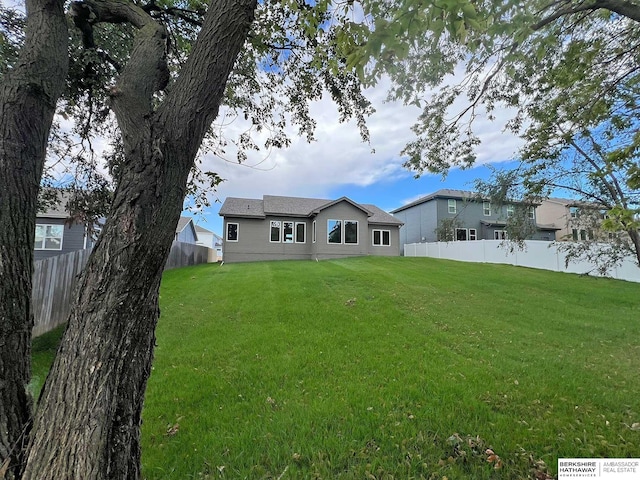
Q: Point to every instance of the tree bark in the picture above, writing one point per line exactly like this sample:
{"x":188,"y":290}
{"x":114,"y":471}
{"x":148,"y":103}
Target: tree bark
{"x":635,"y":240}
{"x":28,"y":96}
{"x":88,"y":421}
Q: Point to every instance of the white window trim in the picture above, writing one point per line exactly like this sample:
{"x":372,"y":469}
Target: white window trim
{"x":454,"y":205}
{"x":44,"y":237}
{"x":341,"y":231}
{"x":511,"y":210}
{"x":226,"y":233}
{"x":344,"y":232}
{"x":474,"y":234}
{"x":271,"y":225}
{"x":295,"y":231}
{"x":496,"y":235}
{"x":532,"y":213}
{"x":455,"y":234}
{"x":486,"y":209}
{"x":381,"y":244}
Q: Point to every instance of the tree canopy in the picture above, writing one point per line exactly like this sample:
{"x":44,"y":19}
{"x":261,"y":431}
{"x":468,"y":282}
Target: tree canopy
{"x":151,"y":76}
{"x":567,"y":71}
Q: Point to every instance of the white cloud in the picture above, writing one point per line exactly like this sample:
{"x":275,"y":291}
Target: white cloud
{"x":338,"y":157}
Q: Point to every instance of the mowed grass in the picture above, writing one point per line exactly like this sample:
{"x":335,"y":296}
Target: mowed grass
{"x":389,"y":368}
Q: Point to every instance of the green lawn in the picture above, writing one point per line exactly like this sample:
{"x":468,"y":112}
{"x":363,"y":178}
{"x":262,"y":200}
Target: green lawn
{"x":380,"y":368}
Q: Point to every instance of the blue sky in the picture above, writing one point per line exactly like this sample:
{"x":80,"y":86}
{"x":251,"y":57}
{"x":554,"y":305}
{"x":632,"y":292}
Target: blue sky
{"x":339,"y":164}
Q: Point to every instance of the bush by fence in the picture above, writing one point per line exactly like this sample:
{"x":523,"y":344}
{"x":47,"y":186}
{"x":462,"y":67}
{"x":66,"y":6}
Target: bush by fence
{"x":537,"y":254}
{"x":54,"y":280}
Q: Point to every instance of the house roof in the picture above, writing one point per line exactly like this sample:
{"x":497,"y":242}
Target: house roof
{"x":442,"y":193}
{"x":568,"y":202}
{"x":200,"y":229}
{"x":296,"y":207}
{"x":182,"y":223}
{"x":59,"y":208}
{"x":454,"y":194}
{"x":242,"y":207}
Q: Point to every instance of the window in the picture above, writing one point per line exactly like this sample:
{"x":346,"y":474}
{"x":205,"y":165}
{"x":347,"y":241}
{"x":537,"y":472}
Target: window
{"x":274,"y":234}
{"x":473,"y":234}
{"x":500,"y":235}
{"x":486,"y":209}
{"x":350,"y":231}
{"x":532,"y":212}
{"x":313,"y":231}
{"x":510,"y":211}
{"x":232,"y":232}
{"x":301,"y":232}
{"x":49,"y":237}
{"x":334,"y":231}
{"x":342,"y":231}
{"x":451,"y":203}
{"x":573,"y":212}
{"x":582,"y":235}
{"x":381,"y":238}
{"x":287,"y":229}
{"x":461,"y":234}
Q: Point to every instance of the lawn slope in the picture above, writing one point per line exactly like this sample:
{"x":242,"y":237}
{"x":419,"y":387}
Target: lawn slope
{"x":389,"y":368}
{"x":386,"y":368}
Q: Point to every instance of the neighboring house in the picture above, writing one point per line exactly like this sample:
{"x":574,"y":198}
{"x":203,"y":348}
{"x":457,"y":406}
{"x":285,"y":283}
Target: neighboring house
{"x":186,"y":231}
{"x":574,"y":219}
{"x":471,"y":218}
{"x":57,"y":233}
{"x":279,"y":228}
{"x":209,"y":239}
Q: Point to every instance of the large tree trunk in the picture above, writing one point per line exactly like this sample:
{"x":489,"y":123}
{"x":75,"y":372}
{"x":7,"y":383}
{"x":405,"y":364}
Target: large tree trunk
{"x":28,"y":97}
{"x":88,"y":420}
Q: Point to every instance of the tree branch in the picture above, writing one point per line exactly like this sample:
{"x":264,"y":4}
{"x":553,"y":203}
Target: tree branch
{"x":621,"y":7}
{"x":146,"y":71}
{"x":195,"y":98}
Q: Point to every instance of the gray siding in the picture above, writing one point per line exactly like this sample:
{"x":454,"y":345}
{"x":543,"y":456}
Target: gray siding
{"x":420,"y":223}
{"x":254,"y":237}
{"x":187,"y":235}
{"x":341,"y":211}
{"x":393,"y":249}
{"x":421,"y":220}
{"x":253,"y":241}
{"x":73,"y":238}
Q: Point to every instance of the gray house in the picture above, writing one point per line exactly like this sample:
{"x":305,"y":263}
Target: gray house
{"x":57,"y":233}
{"x":186,"y":231}
{"x":470,"y":218}
{"x":279,"y":228}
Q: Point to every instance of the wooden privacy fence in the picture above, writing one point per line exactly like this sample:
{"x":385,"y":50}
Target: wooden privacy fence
{"x":54,"y":280}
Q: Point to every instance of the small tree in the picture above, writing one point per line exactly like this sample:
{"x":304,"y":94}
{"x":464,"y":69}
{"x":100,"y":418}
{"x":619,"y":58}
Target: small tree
{"x":446,"y":230}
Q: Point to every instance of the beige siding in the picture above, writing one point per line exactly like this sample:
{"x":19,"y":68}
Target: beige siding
{"x":550,"y":212}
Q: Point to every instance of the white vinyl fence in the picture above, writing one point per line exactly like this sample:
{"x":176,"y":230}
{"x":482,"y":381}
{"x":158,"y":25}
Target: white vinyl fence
{"x":537,"y":254}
